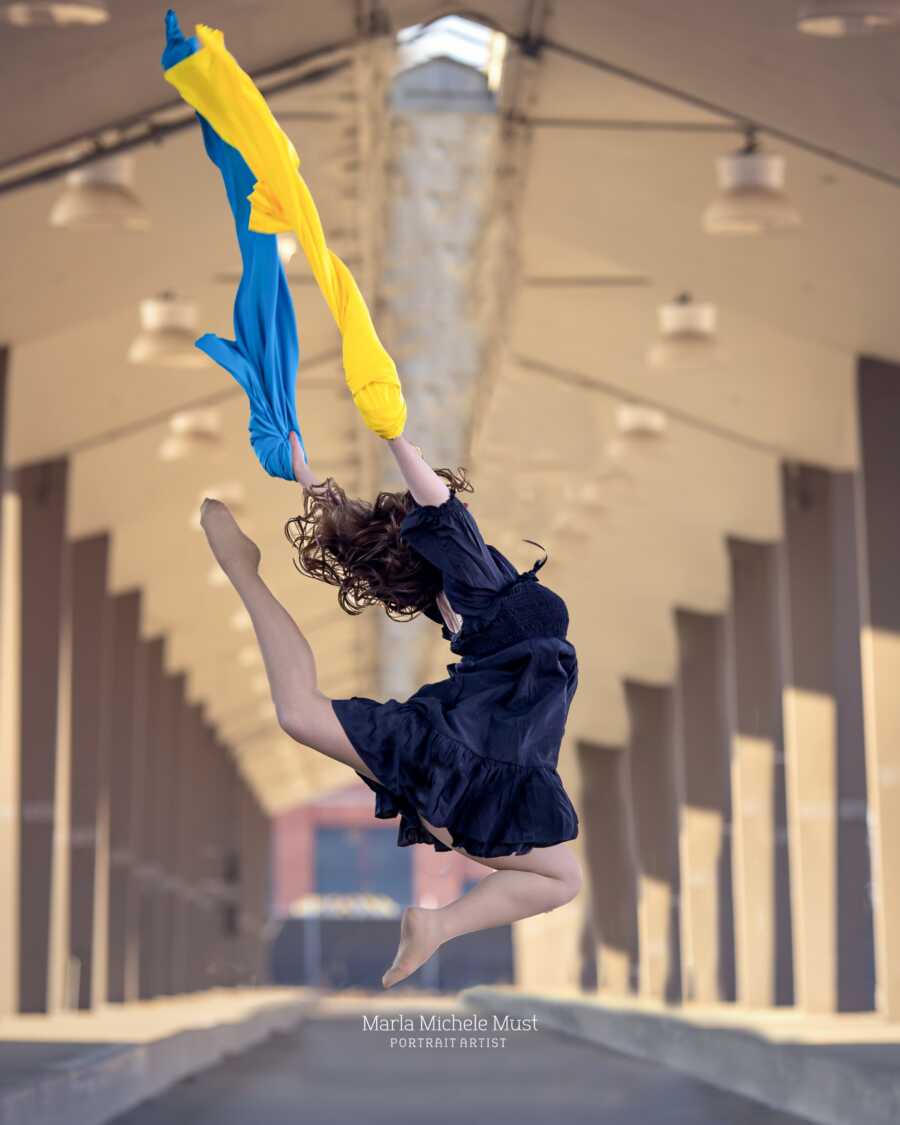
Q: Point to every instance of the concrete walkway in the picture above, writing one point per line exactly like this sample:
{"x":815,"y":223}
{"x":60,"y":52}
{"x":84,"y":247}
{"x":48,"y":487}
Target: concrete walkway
{"x":84,"y":1068}
{"x":830,"y":1069}
{"x":331,"y":1071}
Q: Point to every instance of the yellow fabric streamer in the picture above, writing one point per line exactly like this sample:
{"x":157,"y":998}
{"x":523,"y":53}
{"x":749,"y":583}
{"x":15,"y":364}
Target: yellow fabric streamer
{"x":213,"y":83}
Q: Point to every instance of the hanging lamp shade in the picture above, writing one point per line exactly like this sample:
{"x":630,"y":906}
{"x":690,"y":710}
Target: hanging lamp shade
{"x":751,"y":197}
{"x":200,"y":427}
{"x":241,"y":621}
{"x":192,"y":431}
{"x":687,"y":336}
{"x":100,"y":196}
{"x":231,"y":493}
{"x":835,"y":19}
{"x":217,"y":577}
{"x":287,"y":245}
{"x":167,"y":335}
{"x":55,"y":13}
{"x":636,"y":420}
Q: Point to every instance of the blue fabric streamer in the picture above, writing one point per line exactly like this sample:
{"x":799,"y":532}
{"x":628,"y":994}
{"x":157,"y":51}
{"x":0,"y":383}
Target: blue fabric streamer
{"x":264,"y":355}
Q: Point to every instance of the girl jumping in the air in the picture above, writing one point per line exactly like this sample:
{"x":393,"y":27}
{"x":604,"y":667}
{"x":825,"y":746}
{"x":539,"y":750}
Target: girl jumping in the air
{"x":468,"y":762}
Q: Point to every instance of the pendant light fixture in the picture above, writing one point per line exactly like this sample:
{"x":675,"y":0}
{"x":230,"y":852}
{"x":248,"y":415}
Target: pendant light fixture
{"x":192,"y":431}
{"x":287,"y":246}
{"x":55,"y":13}
{"x":751,"y":197}
{"x":100,"y":196}
{"x":168,"y":331}
{"x":231,"y":493}
{"x":637,"y":421}
{"x":249,"y":656}
{"x":217,"y":578}
{"x":835,"y":19}
{"x":687,"y":336}
{"x":241,"y":621}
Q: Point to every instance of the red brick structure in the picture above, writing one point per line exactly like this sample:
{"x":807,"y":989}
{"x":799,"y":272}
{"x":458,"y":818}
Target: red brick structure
{"x":437,"y":877}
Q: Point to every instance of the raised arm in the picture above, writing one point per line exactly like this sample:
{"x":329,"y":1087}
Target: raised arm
{"x":303,"y":474}
{"x":423,"y":482}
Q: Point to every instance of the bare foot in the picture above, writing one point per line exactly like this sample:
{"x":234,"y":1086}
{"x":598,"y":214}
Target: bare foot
{"x":419,"y":938}
{"x":235,"y":553}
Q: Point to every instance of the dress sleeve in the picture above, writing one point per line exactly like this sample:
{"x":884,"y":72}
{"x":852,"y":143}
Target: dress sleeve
{"x":449,"y":538}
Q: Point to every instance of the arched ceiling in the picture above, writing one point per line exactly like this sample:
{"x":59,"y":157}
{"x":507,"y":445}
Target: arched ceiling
{"x":607,"y":166}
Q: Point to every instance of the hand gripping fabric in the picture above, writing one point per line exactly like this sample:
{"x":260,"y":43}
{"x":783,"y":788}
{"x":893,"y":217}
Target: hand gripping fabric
{"x":210,"y":80}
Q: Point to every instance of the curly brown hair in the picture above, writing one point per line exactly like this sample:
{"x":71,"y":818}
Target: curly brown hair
{"x":356,"y":546}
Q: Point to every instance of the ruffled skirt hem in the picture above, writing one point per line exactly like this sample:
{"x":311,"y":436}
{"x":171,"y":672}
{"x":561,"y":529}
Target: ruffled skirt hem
{"x":490,"y":808}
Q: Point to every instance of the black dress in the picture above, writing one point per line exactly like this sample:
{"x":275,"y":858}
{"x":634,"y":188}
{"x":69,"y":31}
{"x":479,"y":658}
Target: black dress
{"x":476,"y":753}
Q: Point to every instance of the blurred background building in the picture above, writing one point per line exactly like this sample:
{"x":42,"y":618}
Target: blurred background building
{"x":637,"y":263}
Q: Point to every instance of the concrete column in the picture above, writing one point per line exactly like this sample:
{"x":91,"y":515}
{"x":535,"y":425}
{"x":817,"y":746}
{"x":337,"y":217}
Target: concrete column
{"x":855,"y":925}
{"x":89,"y":800}
{"x":198,"y":872}
{"x":655,"y":795}
{"x":170,"y":764}
{"x":254,"y":885}
{"x":819,"y":534}
{"x":611,"y":860}
{"x":126,"y":734}
{"x":707,"y":929}
{"x":36,"y":728}
{"x":263,"y":872}
{"x":879,"y":555}
{"x":231,"y":870}
{"x":207,"y":871}
{"x":151,"y":793}
{"x":184,"y":801}
{"x":245,"y":894}
{"x":760,"y":862}
{"x":211,"y":883}
{"x":224,"y":866}
{"x":193,"y":800}
{"x":10,"y":718}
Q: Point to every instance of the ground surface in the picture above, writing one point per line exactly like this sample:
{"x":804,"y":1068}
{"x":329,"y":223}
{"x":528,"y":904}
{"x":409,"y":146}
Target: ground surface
{"x":332,"y":1071}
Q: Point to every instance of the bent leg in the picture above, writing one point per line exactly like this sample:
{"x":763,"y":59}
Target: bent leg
{"x":519,"y":887}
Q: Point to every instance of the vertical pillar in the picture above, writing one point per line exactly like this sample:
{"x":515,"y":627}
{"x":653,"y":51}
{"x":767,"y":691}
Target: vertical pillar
{"x":655,"y":795}
{"x":760,"y":873}
{"x":855,"y":925}
{"x":231,"y":873}
{"x":169,"y":762}
{"x":263,"y":891}
{"x":197,"y":873}
{"x":187,"y":781}
{"x":611,"y":861}
{"x":149,"y":873}
{"x":879,"y":552}
{"x":10,"y":718}
{"x":188,"y":799}
{"x":245,"y":882}
{"x":224,"y":869}
{"x":707,"y":936}
{"x":124,"y":807}
{"x":37,"y":664}
{"x":209,"y":874}
{"x":254,"y":885}
{"x":818,"y":532}
{"x":91,"y":695}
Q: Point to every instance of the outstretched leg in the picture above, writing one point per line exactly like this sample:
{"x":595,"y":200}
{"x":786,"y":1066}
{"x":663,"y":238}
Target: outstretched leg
{"x":303,"y":711}
{"x":520,"y":887}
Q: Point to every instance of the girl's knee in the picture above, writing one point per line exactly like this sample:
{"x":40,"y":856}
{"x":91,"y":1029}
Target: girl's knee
{"x":570,"y":877}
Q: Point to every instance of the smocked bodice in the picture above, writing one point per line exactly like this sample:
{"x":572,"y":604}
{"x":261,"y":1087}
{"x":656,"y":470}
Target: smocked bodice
{"x":525,"y":609}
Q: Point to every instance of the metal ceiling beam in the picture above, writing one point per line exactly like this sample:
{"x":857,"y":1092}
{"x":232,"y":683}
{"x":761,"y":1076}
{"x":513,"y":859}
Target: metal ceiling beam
{"x":742,"y":121}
